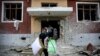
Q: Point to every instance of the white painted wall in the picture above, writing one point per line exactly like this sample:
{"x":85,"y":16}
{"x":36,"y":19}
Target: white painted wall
{"x":78,"y":40}
{"x":84,"y":39}
{"x":15,"y":39}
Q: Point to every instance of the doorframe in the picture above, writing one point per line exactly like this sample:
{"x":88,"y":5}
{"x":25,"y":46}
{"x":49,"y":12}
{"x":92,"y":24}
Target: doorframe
{"x":58,"y":27}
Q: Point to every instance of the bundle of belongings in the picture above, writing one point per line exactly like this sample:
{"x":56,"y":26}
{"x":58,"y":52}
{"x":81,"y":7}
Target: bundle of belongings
{"x":37,"y":46}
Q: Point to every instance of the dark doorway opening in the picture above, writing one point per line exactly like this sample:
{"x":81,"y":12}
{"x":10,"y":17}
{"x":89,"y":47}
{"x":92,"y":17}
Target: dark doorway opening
{"x":54,"y":23}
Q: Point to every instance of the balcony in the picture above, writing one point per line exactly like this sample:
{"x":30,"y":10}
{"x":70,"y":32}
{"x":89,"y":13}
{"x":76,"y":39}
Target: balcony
{"x":49,"y":11}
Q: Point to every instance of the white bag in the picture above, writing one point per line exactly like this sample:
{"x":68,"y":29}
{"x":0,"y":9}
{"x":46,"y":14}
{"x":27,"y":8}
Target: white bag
{"x":36,"y":46}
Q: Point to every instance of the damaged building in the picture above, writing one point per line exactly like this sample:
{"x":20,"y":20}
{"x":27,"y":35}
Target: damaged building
{"x":77,"y":23}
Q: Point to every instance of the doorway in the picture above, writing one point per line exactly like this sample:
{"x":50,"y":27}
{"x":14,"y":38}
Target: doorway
{"x":54,"y":23}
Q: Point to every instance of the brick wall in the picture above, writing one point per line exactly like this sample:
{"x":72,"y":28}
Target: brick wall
{"x":24,"y":27}
{"x":77,"y":27}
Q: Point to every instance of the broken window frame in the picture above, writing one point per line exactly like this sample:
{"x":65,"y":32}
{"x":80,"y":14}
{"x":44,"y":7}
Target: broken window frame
{"x":48,"y":4}
{"x":12,"y":19}
{"x":97,"y":19}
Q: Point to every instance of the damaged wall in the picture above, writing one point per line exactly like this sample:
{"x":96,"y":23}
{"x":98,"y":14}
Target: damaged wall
{"x":89,"y":31}
{"x":24,"y":27}
{"x":85,"y":39}
{"x":16,"y":39}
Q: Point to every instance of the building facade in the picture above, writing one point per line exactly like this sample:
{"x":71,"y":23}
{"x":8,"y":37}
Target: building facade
{"x":11,"y":12}
{"x":76,"y":21}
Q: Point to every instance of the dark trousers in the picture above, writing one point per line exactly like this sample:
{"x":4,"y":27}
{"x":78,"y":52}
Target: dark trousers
{"x":45,"y":52}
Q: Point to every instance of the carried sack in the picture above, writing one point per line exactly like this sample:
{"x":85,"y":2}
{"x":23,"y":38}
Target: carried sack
{"x":36,"y":46}
{"x":51,"y":46}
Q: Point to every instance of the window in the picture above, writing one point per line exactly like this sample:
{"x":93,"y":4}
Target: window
{"x":12,"y":10}
{"x":49,"y":4}
{"x":87,"y":11}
